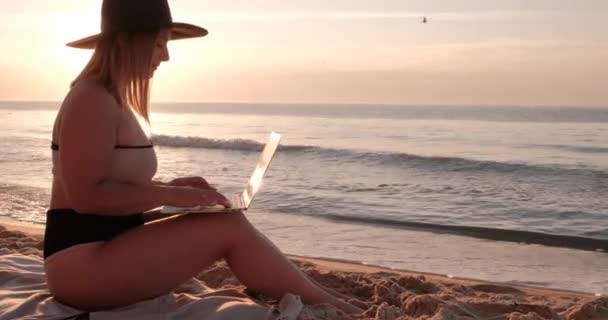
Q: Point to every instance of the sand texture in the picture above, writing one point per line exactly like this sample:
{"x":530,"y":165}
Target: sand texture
{"x":389,"y":295}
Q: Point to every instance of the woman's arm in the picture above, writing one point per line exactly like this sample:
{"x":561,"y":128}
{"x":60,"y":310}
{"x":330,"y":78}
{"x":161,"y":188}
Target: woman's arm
{"x":87,"y":137}
{"x":194,"y":182}
{"x":115,"y":198}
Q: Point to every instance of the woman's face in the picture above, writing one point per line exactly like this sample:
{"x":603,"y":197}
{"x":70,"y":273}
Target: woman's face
{"x":161,"y":52}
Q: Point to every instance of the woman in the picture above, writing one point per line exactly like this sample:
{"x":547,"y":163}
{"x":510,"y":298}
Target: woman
{"x":103,"y":165}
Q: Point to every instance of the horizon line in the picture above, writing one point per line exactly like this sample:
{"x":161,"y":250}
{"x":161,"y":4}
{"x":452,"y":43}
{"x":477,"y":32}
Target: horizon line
{"x":590,"y":106}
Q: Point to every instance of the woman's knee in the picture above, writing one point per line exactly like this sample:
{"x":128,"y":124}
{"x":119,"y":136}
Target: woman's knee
{"x":219,"y":217}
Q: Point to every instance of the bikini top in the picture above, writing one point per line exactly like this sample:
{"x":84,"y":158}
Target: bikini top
{"x":130,"y":164}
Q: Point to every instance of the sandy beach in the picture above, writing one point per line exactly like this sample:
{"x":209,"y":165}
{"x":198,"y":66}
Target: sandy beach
{"x":389,"y":294}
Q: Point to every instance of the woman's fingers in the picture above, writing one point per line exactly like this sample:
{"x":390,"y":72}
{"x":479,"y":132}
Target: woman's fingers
{"x":192,"y":197}
{"x":201,"y":183}
{"x":195,"y":182}
{"x":218,"y":198}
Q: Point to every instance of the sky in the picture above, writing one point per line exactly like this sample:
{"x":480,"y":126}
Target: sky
{"x":471,"y":52}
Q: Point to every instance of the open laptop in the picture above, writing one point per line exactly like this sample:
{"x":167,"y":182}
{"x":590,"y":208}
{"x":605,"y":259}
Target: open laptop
{"x":239,"y":201}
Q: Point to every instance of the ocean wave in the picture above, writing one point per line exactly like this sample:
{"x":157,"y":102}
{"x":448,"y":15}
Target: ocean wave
{"x":597,"y":242}
{"x":399,"y":159}
{"x":207,"y":143}
{"x":571,"y":148}
{"x":456,"y":164}
{"x":521,"y":236}
{"x":24,"y":203}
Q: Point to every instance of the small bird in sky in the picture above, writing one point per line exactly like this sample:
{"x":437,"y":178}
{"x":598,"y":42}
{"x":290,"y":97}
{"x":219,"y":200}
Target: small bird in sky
{"x":424,"y":20}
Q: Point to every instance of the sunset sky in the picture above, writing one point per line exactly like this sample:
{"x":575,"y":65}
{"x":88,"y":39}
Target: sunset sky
{"x":481,"y":52}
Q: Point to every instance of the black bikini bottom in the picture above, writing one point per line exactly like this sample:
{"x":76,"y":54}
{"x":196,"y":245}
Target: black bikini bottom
{"x":66,"y":228}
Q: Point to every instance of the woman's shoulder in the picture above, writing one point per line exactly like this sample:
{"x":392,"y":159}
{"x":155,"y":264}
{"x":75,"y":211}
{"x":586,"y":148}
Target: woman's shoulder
{"x":90,"y":91}
{"x":90,"y":97}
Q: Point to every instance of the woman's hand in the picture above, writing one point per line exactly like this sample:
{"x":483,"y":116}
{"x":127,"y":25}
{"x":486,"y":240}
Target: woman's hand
{"x":194,"y":182}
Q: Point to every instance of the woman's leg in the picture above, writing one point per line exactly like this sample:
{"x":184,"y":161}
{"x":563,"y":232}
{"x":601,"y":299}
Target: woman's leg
{"x":153,"y":259}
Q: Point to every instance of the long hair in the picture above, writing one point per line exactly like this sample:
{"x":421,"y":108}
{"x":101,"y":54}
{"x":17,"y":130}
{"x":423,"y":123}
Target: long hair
{"x":121,"y":63}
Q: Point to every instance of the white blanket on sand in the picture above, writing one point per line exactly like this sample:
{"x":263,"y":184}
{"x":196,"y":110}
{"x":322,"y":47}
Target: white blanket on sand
{"x":24,"y":295}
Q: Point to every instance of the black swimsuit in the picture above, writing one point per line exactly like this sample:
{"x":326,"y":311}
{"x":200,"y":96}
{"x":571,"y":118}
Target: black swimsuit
{"x":66,"y":227}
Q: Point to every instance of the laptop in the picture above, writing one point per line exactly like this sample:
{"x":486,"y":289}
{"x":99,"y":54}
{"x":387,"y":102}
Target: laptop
{"x":239,"y":201}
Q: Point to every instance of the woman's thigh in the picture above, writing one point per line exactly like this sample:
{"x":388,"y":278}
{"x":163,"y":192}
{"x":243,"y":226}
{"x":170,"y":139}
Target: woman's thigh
{"x":144,"y":262}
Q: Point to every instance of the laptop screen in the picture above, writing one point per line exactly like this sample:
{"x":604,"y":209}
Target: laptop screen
{"x":255,"y":181}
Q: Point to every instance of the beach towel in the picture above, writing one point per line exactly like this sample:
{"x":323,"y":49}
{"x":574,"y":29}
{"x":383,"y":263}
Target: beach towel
{"x":24,"y":295}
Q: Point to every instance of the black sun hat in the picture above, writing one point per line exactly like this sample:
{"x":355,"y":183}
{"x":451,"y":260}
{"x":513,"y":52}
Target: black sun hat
{"x":138,"y":16}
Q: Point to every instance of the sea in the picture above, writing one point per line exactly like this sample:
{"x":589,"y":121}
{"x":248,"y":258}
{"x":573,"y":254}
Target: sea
{"x":516,"y":195}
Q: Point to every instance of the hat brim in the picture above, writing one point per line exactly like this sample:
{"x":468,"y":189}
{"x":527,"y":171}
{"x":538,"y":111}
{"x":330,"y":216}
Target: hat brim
{"x":178,"y":31}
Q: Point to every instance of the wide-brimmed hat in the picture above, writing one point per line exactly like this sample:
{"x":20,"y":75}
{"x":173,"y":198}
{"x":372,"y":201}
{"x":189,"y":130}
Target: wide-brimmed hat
{"x":138,"y":16}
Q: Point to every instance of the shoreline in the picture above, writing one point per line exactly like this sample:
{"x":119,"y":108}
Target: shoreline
{"x":482,"y":233}
{"x":25,"y":227}
{"x":338,"y":264}
{"x":505,"y":235}
{"x":354,"y":266}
